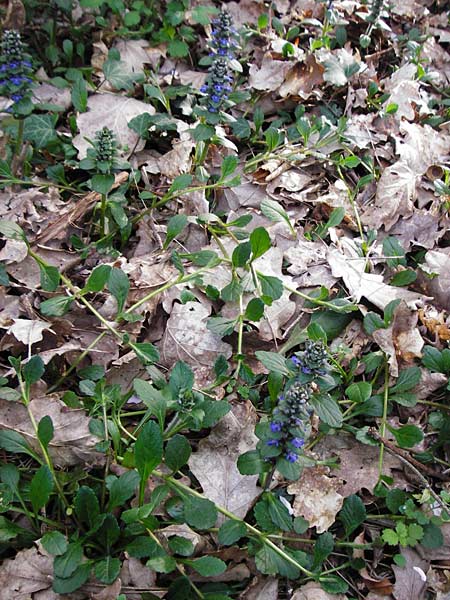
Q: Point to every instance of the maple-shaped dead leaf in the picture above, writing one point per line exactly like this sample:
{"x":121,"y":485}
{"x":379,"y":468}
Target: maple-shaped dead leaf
{"x":303,"y":79}
{"x":72,"y":443}
{"x":317,"y":498}
{"x":214,"y":464}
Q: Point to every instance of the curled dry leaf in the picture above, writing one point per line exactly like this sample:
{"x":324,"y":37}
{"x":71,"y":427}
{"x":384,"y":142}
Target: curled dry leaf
{"x":112,"y":111}
{"x":261,"y":587}
{"x":313,"y":591}
{"x":28,"y":573}
{"x":316,"y":497}
{"x":72,"y":443}
{"x":214,"y":464}
{"x":270,"y":75}
{"x":348,"y":265}
{"x":401,"y":341}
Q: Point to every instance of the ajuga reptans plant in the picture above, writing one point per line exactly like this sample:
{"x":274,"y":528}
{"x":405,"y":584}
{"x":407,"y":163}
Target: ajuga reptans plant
{"x":15,"y":69}
{"x":223,"y":44}
{"x":284,"y":435}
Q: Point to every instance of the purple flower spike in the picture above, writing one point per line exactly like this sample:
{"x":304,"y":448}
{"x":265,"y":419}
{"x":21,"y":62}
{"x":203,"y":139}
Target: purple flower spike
{"x":275,"y":426}
{"x":296,"y":361}
{"x":275,"y":443}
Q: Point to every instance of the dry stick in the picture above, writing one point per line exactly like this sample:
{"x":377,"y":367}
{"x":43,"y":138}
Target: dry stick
{"x":413,"y":464}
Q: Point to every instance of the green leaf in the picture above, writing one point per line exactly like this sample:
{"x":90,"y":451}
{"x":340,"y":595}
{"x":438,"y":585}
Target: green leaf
{"x":132,"y":18}
{"x":40,"y":129}
{"x":102,"y":183}
{"x":145,"y":351}
{"x":97,"y":279}
{"x":273,"y":362}
{"x":4,"y":279}
{"x":76,"y":580}
{"x":180,"y":183}
{"x":54,"y":542}
{"x":221,"y":326}
{"x":56,"y":307}
{"x":181,"y":378}
{"x":142,"y":547}
{"x":33,"y":370}
{"x":407,"y":436}
{"x":279,"y":514}
{"x":119,"y":286}
{"x":241,"y":128}
{"x":241,"y":254}
{"x":49,"y":278}
{"x":79,"y":95}
{"x":327,"y":409}
{"x":301,"y":525}
{"x":12,"y":231}
{"x":178,"y":49}
{"x":118,"y":74}
{"x":208,"y":566}
{"x":395,"y":499}
{"x":228,"y":167}
{"x":175,"y":226}
{"x":269,"y":562}
{"x":432,"y":536}
{"x":393,"y":248}
{"x":251,"y":463}
{"x":372,"y":322}
{"x":66,"y":564}
{"x":271,"y":286}
{"x":232,"y":291}
{"x":254,"y":310}
{"x":178,"y":451}
{"x":353,"y":513}
{"x":14,"y":442}
{"x":203,"y":132}
{"x":86,"y":507}
{"x":152,"y":398}
{"x":274,"y":211}
{"x":41,"y":488}
{"x":148,"y":450}
{"x":122,"y":489}
{"x":322,"y":548}
{"x":260,"y":242}
{"x":231,"y":531}
{"x":359,"y":392}
{"x":436,"y":360}
{"x":407,"y":380}
{"x":141,"y":124}
{"x":107,"y":570}
{"x":200,"y":512}
{"x":45,"y":431}
{"x":289,"y":470}
{"x":333,"y":584}
{"x":108,"y":533}
{"x":404,"y":277}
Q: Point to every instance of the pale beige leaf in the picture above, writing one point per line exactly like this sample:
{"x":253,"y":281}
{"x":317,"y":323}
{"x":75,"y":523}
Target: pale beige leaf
{"x":313,"y":591}
{"x":270,"y":75}
{"x":214,"y":464}
{"x":28,"y":331}
{"x":411,"y":580}
{"x":112,"y":111}
{"x":72,"y":443}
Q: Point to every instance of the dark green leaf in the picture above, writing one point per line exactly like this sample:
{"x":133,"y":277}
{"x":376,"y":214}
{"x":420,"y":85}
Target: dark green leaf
{"x":33,"y":370}
{"x":271,"y":286}
{"x":393,"y":248}
{"x":181,"y":378}
{"x":66,"y":564}
{"x":232,"y":291}
{"x":359,"y":392}
{"x":41,"y":488}
{"x":432,"y":536}
{"x":407,"y":380}
{"x":333,"y":584}
{"x":322,"y":548}
{"x":254,"y":310}
{"x":180,"y":183}
{"x":56,"y":307}
{"x":327,"y":409}
{"x":86,"y":507}
{"x":98,"y":278}
{"x":178,"y":451}
{"x":12,"y":231}
{"x":107,"y":570}
{"x":229,"y":165}
{"x":14,"y":442}
{"x":208,"y":566}
{"x":203,"y":132}
{"x":231,"y":531}
{"x":404,"y":277}
{"x":181,"y":545}
{"x":372,"y":322}
{"x":45,"y":431}
{"x":273,"y":362}
{"x":148,"y":450}
{"x":40,"y":129}
{"x":353,"y":513}
{"x":54,"y":542}
{"x":279,"y":514}
{"x":49,"y":278}
{"x":152,"y":398}
{"x":407,"y":436}
{"x":76,"y":580}
{"x":251,"y":463}
{"x":102,"y":183}
{"x":79,"y":95}
{"x":122,"y":489}
{"x":199,"y":512}
{"x":118,"y":74}
{"x":146,"y":352}
{"x":221,"y":326}
{"x":260,"y":242}
{"x":175,"y":226}
{"x":119,"y":286}
{"x":241,"y":254}
{"x":241,"y":128}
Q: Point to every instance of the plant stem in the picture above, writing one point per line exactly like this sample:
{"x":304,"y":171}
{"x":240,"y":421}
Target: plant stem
{"x":384,"y":417}
{"x":103,"y":214}
{"x":17,"y":147}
